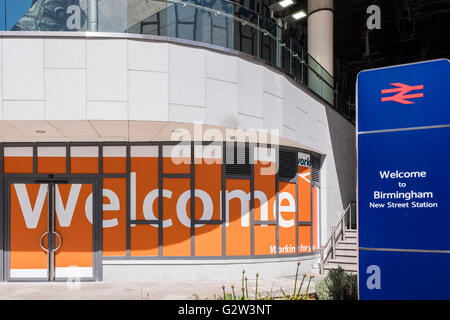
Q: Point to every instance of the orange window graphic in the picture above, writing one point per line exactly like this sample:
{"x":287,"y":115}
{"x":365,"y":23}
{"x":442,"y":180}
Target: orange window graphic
{"x":304,"y":193}
{"x":265,"y":239}
{"x":144,"y":200}
{"x":304,"y":239}
{"x":176,"y":217}
{"x":177,"y":159}
{"x":18,"y":160}
{"x":51,"y":160}
{"x":208,"y":184}
{"x":237,"y":218}
{"x":287,"y":218}
{"x":265,"y":200}
{"x":75,"y":227}
{"x":114,"y":216}
{"x":114,"y":159}
{"x":84,"y":160}
{"x":28,"y":222}
{"x":73,"y":209}
{"x":315,"y":215}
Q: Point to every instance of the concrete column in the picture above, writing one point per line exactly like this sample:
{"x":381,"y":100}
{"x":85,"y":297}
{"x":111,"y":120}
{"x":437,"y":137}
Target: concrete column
{"x":93,"y":15}
{"x":320,"y":32}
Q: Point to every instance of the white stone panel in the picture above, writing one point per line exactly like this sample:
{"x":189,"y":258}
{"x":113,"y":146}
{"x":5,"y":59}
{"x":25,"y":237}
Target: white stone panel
{"x":23,"y":69}
{"x":273,"y":112}
{"x":221,"y":103}
{"x":250,"y":122}
{"x":273,"y":82}
{"x":250,"y":88}
{"x":23,"y":110}
{"x":107,"y":110}
{"x":186,"y":76}
{"x":65,"y":53}
{"x":65,"y":94}
{"x":221,"y":66}
{"x":148,"y":56}
{"x":107,"y":70}
{"x":290,"y":102}
{"x":148,"y":92}
{"x":190,"y":114}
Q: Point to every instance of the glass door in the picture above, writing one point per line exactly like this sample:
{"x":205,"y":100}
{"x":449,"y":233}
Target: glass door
{"x":51,"y":230}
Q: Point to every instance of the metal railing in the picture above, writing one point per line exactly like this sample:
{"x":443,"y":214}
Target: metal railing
{"x":346,"y":222}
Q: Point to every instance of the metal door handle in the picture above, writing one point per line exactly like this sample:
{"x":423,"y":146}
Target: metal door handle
{"x":40,"y":241}
{"x":60,"y":241}
{"x":42,"y":237}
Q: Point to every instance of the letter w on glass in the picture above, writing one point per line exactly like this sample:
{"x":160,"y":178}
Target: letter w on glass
{"x":402,"y":96}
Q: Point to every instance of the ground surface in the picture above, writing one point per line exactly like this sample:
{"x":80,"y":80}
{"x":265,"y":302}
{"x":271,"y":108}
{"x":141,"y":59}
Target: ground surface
{"x":139,"y":291}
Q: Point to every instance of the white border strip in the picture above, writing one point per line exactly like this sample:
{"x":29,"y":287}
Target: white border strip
{"x":144,"y":151}
{"x":18,"y":151}
{"x":51,"y":152}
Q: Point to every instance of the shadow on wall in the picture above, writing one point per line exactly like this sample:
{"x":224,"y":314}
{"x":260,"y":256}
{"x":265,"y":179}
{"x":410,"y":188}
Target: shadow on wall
{"x":343,"y":143}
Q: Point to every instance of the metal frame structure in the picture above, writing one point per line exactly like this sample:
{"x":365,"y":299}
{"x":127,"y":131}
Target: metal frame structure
{"x":97,"y":181}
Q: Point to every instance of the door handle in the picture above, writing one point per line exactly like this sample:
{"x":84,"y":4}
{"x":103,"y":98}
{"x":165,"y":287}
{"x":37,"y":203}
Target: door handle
{"x":42,"y":237}
{"x":40,"y":241}
{"x":60,"y":241}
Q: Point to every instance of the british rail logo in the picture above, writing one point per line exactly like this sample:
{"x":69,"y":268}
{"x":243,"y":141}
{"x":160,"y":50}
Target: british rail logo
{"x":402,"y":95}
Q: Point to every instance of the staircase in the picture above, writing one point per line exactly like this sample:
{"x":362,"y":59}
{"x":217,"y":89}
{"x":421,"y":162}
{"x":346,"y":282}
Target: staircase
{"x":345,"y":253}
{"x":341,"y":247}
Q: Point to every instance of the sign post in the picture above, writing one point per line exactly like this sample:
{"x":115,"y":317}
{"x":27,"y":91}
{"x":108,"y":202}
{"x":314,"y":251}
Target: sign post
{"x":403,"y":142}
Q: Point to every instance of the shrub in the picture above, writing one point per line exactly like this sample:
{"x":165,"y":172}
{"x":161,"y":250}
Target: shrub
{"x":339,"y":285}
{"x":322,"y":292}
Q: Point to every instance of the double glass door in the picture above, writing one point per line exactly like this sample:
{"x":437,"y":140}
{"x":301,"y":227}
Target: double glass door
{"x":51,"y":230}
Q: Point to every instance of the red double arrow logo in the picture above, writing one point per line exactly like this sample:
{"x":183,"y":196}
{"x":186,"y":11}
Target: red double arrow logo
{"x":402,"y":96}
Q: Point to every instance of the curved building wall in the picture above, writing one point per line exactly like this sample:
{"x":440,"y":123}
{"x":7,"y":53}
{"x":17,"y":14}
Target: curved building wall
{"x":85,"y":88}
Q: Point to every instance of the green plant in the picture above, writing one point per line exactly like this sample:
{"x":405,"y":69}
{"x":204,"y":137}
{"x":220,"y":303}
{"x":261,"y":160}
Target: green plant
{"x":340,"y":285}
{"x":322,"y":292}
{"x":296,"y":295}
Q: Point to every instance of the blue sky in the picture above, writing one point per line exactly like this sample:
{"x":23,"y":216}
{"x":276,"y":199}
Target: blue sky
{"x":15,"y":9}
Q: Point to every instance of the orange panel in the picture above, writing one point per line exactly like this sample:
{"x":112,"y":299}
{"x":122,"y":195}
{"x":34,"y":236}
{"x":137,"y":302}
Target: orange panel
{"x":114,"y":216}
{"x":18,"y":164}
{"x":208,"y":240}
{"x":287,"y":233}
{"x":177,"y":214}
{"x":80,"y":165}
{"x":26,"y":252}
{"x":265,"y":239}
{"x":114,"y":165}
{"x":71,"y":222}
{"x":238,"y":229}
{"x":144,"y":179}
{"x":177,"y":165}
{"x":51,"y":165}
{"x":304,"y":193}
{"x":315,"y":221}
{"x":304,"y":239}
{"x":144,"y":240}
{"x":265,"y":196}
{"x":208,"y":182}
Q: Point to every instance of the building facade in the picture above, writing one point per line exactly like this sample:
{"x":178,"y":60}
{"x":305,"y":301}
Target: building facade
{"x":110,"y":126}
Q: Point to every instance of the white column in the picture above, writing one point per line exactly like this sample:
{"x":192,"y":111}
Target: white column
{"x":320,"y":32}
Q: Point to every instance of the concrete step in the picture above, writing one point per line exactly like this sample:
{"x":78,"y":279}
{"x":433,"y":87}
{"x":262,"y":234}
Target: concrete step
{"x":350,"y":235}
{"x":342,"y":260}
{"x":351,"y":231}
{"x":348,"y":240}
{"x":351,"y":247}
{"x":346,"y":267}
{"x":346,"y":252}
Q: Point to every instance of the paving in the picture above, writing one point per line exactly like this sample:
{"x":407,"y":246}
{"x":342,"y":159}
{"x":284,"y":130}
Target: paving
{"x":189,"y":290}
